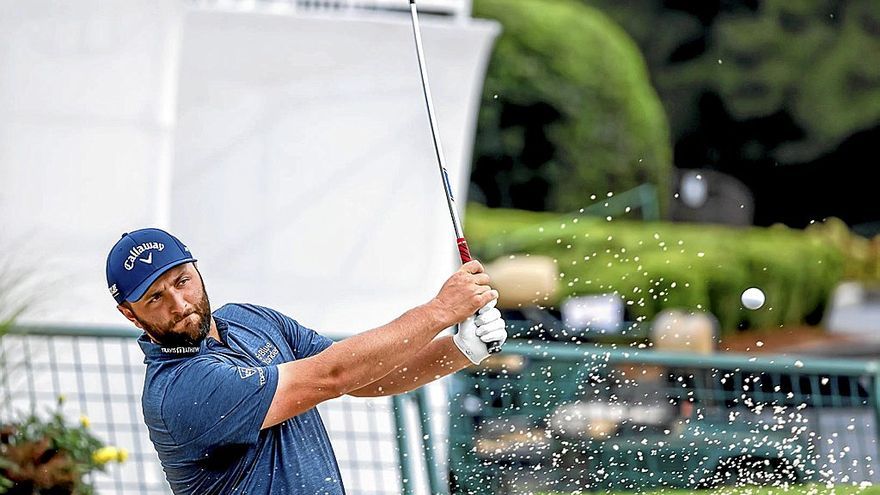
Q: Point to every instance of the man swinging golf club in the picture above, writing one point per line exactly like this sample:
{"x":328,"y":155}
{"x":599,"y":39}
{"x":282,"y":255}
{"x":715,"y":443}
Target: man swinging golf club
{"x":229,"y":397}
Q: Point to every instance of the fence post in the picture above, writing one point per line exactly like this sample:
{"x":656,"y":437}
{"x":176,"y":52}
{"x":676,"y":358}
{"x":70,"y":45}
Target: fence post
{"x":406,"y":479}
{"x":434,"y":480}
{"x":649,"y":202}
{"x":876,"y":406}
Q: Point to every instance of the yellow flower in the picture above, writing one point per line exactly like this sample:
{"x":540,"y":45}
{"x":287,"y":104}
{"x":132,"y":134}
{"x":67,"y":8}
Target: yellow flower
{"x":105,"y":454}
{"x":109,"y":453}
{"x":85,"y":421}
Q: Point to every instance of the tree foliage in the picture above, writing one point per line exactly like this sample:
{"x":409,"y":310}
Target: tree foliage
{"x":810,"y":66}
{"x":567,"y":110}
{"x":799,"y":57}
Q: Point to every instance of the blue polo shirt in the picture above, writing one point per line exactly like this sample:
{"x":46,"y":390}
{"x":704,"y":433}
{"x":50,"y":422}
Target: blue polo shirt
{"x":204,"y":406}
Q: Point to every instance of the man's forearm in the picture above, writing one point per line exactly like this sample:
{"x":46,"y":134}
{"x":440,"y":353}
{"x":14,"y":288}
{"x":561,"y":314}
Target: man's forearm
{"x":350,"y":364}
{"x":373,"y":354}
{"x":437,"y":359}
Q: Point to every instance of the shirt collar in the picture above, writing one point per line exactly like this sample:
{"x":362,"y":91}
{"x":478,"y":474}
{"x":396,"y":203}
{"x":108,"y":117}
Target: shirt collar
{"x":153,"y":351}
{"x":222,"y":329}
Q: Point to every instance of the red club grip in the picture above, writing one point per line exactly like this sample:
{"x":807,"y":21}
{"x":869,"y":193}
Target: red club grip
{"x":463,"y":250}
{"x":465,"y":255}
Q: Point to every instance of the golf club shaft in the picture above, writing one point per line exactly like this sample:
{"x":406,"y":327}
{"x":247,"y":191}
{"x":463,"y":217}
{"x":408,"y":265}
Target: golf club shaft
{"x":463,"y":251}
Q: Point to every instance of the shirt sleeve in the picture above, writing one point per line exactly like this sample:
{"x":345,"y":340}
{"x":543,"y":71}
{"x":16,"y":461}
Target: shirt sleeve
{"x":304,"y":341}
{"x":211,"y":404}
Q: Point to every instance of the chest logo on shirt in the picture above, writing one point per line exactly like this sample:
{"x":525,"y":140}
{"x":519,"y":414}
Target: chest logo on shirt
{"x":267,"y":353}
{"x":246,"y":373}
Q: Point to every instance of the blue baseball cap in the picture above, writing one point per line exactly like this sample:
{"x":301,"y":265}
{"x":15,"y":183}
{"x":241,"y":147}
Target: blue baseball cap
{"x":139,"y":258}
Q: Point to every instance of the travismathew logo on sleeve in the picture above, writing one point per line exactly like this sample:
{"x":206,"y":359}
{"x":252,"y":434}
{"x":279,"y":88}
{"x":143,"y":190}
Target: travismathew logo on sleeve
{"x":140,"y":249}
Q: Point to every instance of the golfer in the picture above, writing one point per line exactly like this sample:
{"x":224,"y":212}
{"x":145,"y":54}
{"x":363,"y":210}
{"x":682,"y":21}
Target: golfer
{"x":229,"y":397}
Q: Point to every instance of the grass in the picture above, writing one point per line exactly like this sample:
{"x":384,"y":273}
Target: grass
{"x":811,"y":489}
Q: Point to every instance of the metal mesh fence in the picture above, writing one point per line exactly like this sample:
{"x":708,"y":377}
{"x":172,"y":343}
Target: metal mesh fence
{"x":571,"y":418}
{"x":101,"y":377}
{"x":537,"y":417}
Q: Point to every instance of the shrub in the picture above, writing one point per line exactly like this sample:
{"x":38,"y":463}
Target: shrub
{"x":657,"y":265}
{"x":861,"y":255}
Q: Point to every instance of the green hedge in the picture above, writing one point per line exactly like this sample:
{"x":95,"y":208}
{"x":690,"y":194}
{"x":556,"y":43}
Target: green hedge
{"x":656,"y":265}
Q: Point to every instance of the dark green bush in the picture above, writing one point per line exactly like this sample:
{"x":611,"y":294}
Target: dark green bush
{"x":656,"y":265}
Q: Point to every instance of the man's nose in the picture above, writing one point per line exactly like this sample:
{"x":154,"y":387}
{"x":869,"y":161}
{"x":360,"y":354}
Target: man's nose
{"x":179,"y":303}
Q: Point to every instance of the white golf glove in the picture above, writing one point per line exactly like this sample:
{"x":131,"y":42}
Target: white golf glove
{"x":476,"y":333}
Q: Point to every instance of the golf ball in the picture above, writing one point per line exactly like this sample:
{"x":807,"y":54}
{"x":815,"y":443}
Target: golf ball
{"x":752,"y":298}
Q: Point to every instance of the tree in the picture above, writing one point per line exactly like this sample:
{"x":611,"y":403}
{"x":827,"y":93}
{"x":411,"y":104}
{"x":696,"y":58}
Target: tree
{"x":567,"y":111}
{"x":817,"y":60}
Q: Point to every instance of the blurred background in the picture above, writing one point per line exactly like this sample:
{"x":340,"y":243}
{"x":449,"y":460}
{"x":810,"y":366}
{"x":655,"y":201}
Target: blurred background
{"x":626,"y":170}
{"x":748,"y":119}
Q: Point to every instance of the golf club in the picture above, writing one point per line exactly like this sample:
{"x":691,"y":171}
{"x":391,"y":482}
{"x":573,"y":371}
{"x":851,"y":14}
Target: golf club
{"x":463,"y":251}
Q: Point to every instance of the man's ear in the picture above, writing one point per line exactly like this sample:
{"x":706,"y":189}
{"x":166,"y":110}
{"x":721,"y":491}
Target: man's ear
{"x":128,"y":313}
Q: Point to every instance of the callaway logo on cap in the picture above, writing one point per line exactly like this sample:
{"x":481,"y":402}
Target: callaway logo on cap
{"x":139,"y":258}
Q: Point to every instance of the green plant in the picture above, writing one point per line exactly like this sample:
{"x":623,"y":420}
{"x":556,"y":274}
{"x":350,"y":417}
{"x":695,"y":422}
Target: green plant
{"x":12,"y":303}
{"x":48,"y":456}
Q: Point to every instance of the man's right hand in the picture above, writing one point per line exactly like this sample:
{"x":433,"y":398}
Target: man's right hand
{"x":465,"y":292}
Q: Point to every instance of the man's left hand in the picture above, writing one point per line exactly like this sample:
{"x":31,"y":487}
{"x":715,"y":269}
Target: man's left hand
{"x":476,"y":333}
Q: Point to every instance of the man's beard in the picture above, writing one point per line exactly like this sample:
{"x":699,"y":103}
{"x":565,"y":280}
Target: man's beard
{"x":166,"y":336}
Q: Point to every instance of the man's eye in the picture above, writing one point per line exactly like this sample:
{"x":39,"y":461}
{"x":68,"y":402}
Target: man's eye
{"x":183,"y":281}
{"x":154,"y":299}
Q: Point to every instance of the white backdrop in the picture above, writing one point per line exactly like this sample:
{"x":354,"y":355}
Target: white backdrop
{"x":292,"y":153}
{"x":304,"y":171}
{"x":84,"y":127}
